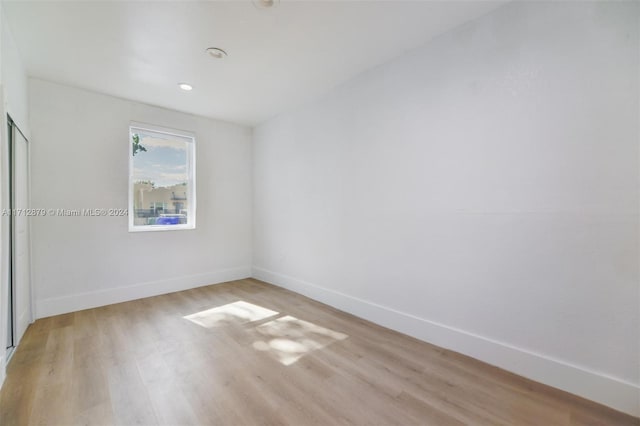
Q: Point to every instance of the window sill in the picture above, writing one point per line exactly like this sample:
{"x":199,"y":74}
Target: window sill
{"x":152,"y":228}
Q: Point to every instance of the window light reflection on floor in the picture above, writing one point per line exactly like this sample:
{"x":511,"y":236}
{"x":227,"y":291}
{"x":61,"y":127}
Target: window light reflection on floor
{"x":239,"y":312}
{"x":288,"y":339}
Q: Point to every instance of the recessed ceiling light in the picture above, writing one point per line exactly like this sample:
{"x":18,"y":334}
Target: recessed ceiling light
{"x":266,"y":4}
{"x":185,"y":86}
{"x":216,"y":52}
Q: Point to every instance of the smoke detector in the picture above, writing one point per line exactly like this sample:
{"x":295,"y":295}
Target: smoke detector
{"x":216,"y":52}
{"x":266,"y":4}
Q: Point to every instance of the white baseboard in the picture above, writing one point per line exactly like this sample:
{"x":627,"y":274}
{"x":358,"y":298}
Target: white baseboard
{"x":21,"y":326}
{"x":94,"y":299}
{"x":3,"y":373}
{"x":609,"y":391}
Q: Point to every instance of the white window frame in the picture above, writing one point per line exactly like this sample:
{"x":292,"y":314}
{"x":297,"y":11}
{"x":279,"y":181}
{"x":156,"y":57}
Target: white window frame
{"x":191,"y":178}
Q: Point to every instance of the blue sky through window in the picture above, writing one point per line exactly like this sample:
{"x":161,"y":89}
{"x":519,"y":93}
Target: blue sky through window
{"x":164,"y":162}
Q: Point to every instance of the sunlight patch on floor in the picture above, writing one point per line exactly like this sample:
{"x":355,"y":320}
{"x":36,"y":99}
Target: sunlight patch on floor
{"x":288,"y":339}
{"x":239,"y":312}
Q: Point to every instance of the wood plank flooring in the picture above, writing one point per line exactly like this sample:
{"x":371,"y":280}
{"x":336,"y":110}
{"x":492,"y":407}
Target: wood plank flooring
{"x":245,"y":353}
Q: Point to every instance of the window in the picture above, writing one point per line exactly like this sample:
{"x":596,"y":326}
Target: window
{"x":161,"y":179}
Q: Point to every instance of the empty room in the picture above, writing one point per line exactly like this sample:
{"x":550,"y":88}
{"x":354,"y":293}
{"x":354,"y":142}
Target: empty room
{"x":285,"y":212}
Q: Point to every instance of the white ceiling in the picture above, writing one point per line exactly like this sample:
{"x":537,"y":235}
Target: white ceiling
{"x":278,"y":58}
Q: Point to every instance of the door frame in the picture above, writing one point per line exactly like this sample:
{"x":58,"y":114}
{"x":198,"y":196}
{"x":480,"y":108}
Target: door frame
{"x":12,"y":328}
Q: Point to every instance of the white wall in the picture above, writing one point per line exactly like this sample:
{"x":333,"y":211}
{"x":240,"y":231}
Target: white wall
{"x":80,"y":160}
{"x":13,"y":93}
{"x":480,"y":193}
{"x":14,"y":78}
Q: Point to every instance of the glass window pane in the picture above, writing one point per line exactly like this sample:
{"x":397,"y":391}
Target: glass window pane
{"x":162,"y":180}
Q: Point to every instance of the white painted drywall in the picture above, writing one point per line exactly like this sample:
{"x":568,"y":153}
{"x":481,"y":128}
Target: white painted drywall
{"x":14,"y":79}
{"x":481,"y":192}
{"x":299,"y":49}
{"x":80,"y":160}
{"x":14,"y":96}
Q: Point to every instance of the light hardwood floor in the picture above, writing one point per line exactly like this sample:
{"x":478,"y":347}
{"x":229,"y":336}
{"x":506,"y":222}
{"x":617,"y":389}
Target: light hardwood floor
{"x":246,"y":352}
